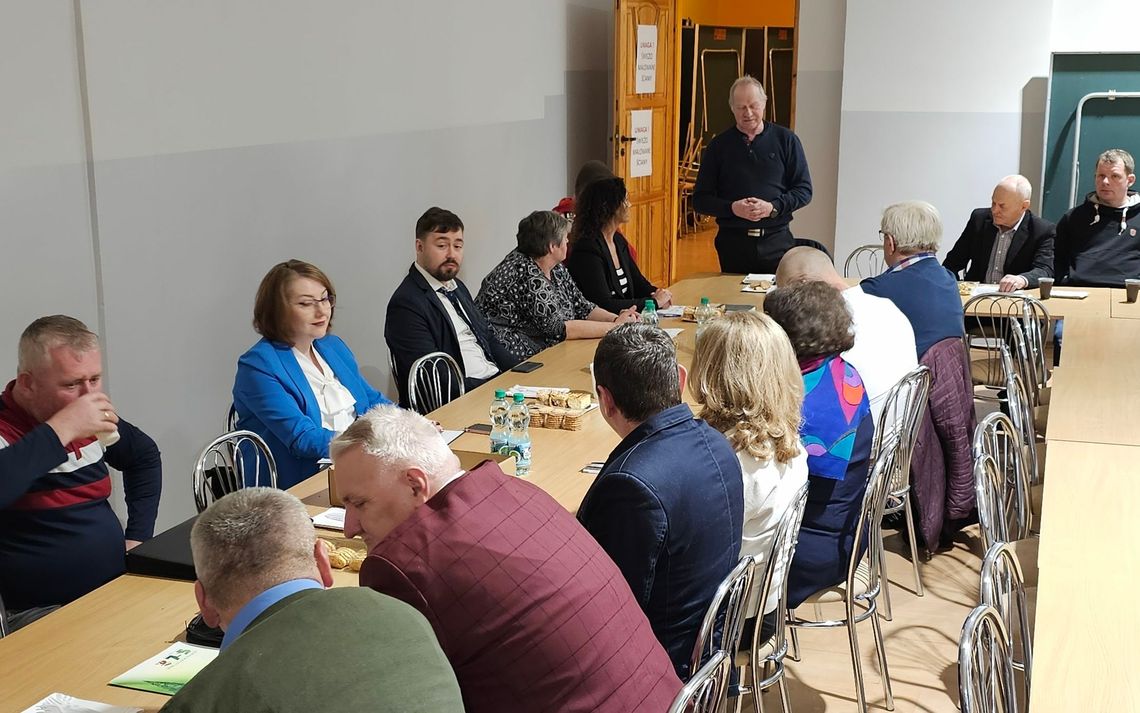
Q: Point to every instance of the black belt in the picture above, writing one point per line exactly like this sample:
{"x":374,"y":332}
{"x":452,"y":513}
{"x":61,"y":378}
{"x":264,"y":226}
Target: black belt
{"x":760,"y":232}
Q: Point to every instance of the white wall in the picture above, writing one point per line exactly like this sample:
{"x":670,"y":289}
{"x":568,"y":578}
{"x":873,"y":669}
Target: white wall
{"x":229,"y":136}
{"x":1095,"y":26}
{"x":819,"y":88}
{"x":940,"y":100}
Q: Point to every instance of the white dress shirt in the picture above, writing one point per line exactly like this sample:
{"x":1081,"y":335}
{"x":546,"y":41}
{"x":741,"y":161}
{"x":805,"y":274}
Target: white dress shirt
{"x":337,"y":404}
{"x":769,"y":488}
{"x":475,"y":362}
{"x":884,"y":350}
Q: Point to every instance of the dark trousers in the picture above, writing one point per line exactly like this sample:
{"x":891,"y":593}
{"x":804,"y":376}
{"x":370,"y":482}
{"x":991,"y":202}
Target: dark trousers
{"x":740,"y":252}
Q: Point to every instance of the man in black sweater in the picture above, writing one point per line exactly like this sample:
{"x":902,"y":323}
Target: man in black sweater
{"x":752,"y":177}
{"x":1098,"y":242}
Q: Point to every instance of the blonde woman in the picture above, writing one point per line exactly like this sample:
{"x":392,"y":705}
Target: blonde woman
{"x":747,"y":381}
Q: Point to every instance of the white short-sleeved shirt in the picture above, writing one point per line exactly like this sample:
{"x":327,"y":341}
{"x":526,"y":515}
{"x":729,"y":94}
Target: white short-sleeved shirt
{"x":884,"y":350}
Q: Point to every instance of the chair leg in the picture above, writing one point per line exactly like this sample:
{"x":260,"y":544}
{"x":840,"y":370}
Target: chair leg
{"x":913,"y":548}
{"x":795,"y":637}
{"x":757,"y":703}
{"x":856,"y":662}
{"x":785,"y":699}
{"x":885,"y":584}
{"x":880,"y":649}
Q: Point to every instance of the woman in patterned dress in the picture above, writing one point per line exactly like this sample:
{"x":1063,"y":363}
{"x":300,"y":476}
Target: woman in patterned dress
{"x":837,"y":432}
{"x":530,"y":299}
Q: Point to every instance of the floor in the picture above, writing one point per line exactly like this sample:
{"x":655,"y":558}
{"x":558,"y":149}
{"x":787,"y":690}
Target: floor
{"x":922,"y":640}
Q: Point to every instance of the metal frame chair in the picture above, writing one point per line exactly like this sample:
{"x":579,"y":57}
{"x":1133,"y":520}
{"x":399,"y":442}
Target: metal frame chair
{"x":867,"y":261}
{"x":728,"y":606}
{"x":1021,"y":414}
{"x":899,"y":420}
{"x":994,"y":314}
{"x":224,"y":466}
{"x":3,"y":619}
{"x":706,"y":690}
{"x":1003,"y":496}
{"x":771,"y":653}
{"x":985,"y":667}
{"x":1003,"y":588}
{"x":430,"y":382}
{"x":863,"y":583}
{"x":231,"y":419}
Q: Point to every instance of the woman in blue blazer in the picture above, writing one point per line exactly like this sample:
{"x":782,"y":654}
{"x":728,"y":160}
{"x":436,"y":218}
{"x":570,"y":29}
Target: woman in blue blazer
{"x":299,"y":385}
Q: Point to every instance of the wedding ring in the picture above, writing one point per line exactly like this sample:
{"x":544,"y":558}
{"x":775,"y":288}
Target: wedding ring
{"x":107,"y":415}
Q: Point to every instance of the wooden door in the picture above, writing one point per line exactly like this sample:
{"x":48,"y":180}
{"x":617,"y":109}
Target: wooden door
{"x":652,"y":225}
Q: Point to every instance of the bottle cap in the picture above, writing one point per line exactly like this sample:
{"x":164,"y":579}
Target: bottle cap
{"x":704,"y":300}
{"x":519,"y":397}
{"x":500,"y":394}
{"x":650,"y":305}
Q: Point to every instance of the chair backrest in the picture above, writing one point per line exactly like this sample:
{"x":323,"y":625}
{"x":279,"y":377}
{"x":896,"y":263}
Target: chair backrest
{"x":985,"y":667}
{"x":1024,"y":364}
{"x":776,"y":567}
{"x":3,"y":619}
{"x":432,"y":381}
{"x":231,"y":419}
{"x":865,"y":261}
{"x":1003,"y":588}
{"x":1021,"y":414}
{"x":231,"y":462}
{"x":1008,"y":489}
{"x":994,"y":315}
{"x":870,"y":517}
{"x":707,"y":689}
{"x":902,"y":413}
{"x":726,"y":610}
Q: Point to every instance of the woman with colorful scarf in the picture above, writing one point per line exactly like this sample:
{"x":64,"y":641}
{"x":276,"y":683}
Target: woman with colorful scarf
{"x":837,"y":432}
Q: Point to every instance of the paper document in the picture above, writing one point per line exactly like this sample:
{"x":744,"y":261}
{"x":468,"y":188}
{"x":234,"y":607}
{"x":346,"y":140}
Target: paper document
{"x":673,"y":311}
{"x":1069,"y":294}
{"x":168,"y":671}
{"x":331,"y":519}
{"x":759,"y":277}
{"x":673,"y":332}
{"x":449,"y":435}
{"x":986,"y":289}
{"x":63,"y":703}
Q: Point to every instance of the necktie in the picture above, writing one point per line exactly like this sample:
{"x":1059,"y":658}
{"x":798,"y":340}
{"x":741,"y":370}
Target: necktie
{"x":454,"y":299}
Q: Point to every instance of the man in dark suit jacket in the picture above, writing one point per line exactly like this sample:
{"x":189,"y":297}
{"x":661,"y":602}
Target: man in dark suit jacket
{"x":265,"y":587}
{"x":432,"y":310}
{"x":1005,"y":244}
{"x":668,"y":506}
{"x":530,"y":611}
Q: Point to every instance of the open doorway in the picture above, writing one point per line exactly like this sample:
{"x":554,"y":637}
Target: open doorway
{"x":719,"y":40}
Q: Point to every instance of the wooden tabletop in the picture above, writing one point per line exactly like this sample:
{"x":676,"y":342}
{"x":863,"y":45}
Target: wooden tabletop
{"x":1121,"y":307}
{"x":1086,"y":652}
{"x":1096,"y":390}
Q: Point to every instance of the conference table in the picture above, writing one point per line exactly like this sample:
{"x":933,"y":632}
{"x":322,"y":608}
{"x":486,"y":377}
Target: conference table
{"x":1086,"y":633}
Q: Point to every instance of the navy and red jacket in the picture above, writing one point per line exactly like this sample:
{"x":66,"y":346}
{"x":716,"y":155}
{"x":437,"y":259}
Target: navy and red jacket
{"x":59,"y":537}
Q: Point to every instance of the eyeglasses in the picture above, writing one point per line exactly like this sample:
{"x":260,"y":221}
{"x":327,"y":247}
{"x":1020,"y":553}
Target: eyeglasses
{"x":884,"y":234}
{"x":326,"y":301}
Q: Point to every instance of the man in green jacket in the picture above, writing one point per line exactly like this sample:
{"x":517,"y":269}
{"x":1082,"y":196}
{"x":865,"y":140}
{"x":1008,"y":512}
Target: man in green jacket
{"x":290,"y":644}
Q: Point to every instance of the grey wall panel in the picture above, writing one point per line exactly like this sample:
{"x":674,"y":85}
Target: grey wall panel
{"x":817,"y":125}
{"x":187,"y":237}
{"x":951,"y":160}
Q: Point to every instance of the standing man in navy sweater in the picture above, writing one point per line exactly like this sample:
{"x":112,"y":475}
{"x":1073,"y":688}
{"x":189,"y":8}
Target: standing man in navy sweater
{"x":923,"y":290}
{"x":59,"y":538}
{"x":752,"y":177}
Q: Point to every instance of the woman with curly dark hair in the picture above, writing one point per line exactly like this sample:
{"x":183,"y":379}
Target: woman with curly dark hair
{"x":837,"y":432}
{"x":600,"y":261}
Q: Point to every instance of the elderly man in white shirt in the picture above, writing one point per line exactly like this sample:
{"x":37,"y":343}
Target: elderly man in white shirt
{"x":884,"y":350}
{"x":432,"y":310}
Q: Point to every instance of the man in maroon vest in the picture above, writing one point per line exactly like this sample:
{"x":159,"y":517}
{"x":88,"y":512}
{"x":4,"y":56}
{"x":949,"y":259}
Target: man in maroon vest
{"x":531,"y":612}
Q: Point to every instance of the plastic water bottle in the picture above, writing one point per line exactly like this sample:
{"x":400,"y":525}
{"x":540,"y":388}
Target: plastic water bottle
{"x":704,"y":313}
{"x":500,"y":429}
{"x":649,"y":314}
{"x":518,"y":416}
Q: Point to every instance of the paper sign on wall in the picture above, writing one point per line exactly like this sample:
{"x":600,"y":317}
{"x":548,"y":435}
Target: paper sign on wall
{"x":641,"y":149}
{"x":646,"y":59}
